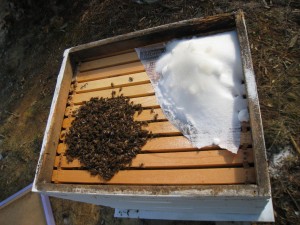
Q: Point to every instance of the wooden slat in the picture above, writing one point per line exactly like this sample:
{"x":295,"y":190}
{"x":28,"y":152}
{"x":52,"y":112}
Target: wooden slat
{"x":246,"y":138}
{"x":163,"y":128}
{"x":177,"y":143}
{"x":101,"y":56}
{"x":131,"y":91}
{"x":159,"y":128}
{"x":156,"y":177}
{"x":62,"y":147}
{"x":113,"y":71}
{"x":121,"y":81}
{"x":150,"y":114}
{"x":67,"y":122}
{"x":167,"y":144}
{"x":70,"y":109}
{"x":146,"y":102}
{"x":109,"y":61}
{"x":163,"y":144}
{"x":195,"y":159}
{"x":261,"y":164}
{"x":145,"y":115}
{"x":160,"y":144}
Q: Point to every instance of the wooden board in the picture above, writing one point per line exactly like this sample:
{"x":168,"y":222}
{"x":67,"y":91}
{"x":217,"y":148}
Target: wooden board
{"x":160,"y":144}
{"x":121,"y":81}
{"x":146,"y":102}
{"x":167,"y":129}
{"x":157,"y":177}
{"x":150,"y":114}
{"x":110,"y":72}
{"x":163,"y":128}
{"x":145,"y":115}
{"x":109,"y":61}
{"x":194,"y":159}
{"x":170,"y":144}
{"x":131,"y":92}
{"x":167,"y":159}
{"x":157,"y":128}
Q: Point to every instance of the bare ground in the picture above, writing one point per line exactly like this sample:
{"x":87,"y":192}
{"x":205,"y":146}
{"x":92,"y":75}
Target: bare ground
{"x":34,"y":34}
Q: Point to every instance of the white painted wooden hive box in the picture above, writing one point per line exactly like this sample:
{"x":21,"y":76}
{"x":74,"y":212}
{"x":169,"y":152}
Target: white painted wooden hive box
{"x":177,"y":181}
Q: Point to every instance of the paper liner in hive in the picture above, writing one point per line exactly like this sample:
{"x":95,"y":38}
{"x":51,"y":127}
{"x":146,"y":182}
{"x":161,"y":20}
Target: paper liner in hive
{"x":199,"y":84}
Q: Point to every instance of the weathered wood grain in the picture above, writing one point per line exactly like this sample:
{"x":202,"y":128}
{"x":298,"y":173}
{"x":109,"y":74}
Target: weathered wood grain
{"x":193,"y":159}
{"x":120,"y":81}
{"x":114,"y":71}
{"x":156,"y":177}
{"x":109,"y":61}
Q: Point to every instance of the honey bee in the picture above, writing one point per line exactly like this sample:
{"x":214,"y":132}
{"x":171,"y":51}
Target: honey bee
{"x":140,"y":111}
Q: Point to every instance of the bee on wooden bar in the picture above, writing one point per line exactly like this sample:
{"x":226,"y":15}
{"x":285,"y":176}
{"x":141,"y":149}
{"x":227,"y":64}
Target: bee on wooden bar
{"x":94,"y":172}
{"x":155,"y":117}
{"x":112,"y":84}
{"x":140,"y":111}
{"x":83,"y":86}
{"x":120,"y":89}
{"x":130,"y":79}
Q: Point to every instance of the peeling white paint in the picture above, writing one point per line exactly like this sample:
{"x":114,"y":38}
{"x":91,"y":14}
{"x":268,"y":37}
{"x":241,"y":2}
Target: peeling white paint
{"x":51,"y":114}
{"x":250,"y":84}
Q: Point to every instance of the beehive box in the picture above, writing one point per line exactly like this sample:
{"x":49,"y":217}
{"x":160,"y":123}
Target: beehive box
{"x":169,"y":175}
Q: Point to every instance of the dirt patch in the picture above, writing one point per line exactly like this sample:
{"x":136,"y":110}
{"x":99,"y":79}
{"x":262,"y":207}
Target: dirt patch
{"x":33,"y":36}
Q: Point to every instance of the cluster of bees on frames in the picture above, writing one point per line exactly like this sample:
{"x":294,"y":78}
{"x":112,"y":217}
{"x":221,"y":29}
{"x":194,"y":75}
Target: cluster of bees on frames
{"x":104,"y":135}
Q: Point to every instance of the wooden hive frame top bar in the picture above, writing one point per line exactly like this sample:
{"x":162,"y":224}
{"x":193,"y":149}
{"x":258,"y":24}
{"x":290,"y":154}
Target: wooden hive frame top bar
{"x":164,"y":163}
{"x":90,"y":70}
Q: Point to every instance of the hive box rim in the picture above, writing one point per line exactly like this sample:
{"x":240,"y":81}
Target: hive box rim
{"x":213,"y":24}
